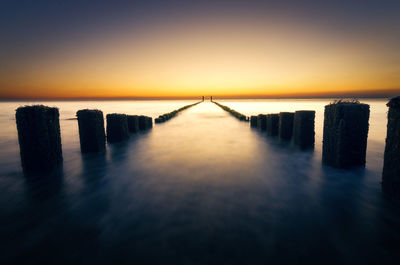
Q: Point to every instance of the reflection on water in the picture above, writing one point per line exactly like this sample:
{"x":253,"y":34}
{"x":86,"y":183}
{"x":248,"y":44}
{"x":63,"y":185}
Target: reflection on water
{"x":201,"y":189}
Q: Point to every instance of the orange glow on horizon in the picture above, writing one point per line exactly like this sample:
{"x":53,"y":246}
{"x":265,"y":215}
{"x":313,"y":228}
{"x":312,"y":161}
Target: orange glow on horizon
{"x":222,"y":59}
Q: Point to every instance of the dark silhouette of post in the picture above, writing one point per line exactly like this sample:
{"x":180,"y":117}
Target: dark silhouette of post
{"x":117,"y":127}
{"x":91,"y":130}
{"x":303,"y":129}
{"x":391,"y":162}
{"x":345,"y":134}
{"x":133,"y":123}
{"x":149,"y":122}
{"x":39,"y":138}
{"x":211,"y":99}
{"x":142,"y":123}
{"x":272,"y":124}
{"x":159,"y":119}
{"x":202,"y":98}
{"x":262,"y":122}
{"x":286,"y":125}
{"x":253,"y":121}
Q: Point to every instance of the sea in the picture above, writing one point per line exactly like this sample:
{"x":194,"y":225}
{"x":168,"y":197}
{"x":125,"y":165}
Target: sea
{"x":202,"y":188}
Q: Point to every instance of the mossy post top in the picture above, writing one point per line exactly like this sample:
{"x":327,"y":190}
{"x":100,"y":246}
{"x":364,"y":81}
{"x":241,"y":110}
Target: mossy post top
{"x":347,"y":103}
{"x":88,"y":111}
{"x":30,"y":108}
{"x":342,"y":107}
{"x":115,"y":115}
{"x":394,"y":103}
{"x":305,"y":111}
{"x":286,"y":113}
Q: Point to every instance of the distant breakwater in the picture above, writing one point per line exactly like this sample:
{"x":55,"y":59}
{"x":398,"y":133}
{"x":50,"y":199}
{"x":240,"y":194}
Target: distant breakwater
{"x":296,"y":127}
{"x":167,"y":116}
{"x":233,"y":112}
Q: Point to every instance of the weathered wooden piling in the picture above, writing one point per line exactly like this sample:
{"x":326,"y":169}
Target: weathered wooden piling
{"x":159,"y":119}
{"x":149,"y":122}
{"x":117,"y":127}
{"x":91,"y":130}
{"x":133,"y":123}
{"x":266,"y":122}
{"x":303,"y":129}
{"x":391,"y":162}
{"x":262,"y":122}
{"x":285,"y":125}
{"x":345,"y":134}
{"x":272,"y":124}
{"x":39,"y":138}
{"x":142,"y":122}
{"x":253,"y":121}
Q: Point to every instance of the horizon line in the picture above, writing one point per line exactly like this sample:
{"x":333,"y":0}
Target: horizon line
{"x":383,"y":96}
{"x":382,"y":93}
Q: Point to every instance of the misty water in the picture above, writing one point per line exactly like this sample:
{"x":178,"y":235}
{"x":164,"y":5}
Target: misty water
{"x":202,"y":188}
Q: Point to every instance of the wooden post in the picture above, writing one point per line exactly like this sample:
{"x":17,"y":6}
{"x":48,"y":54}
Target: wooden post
{"x":91,"y":130}
{"x":39,"y":138}
{"x":149,"y":122}
{"x":253,"y":121}
{"x":133,"y":123}
{"x":303,"y":129}
{"x":272,"y":124}
{"x":160,"y":119}
{"x":262,"y":122}
{"x":117,"y":127}
{"x":142,"y":123}
{"x":286,"y":125}
{"x":345,"y":134}
{"x":391,"y":163}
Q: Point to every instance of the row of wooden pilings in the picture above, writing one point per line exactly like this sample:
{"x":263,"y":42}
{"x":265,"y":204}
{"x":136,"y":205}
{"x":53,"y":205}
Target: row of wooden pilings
{"x":167,"y":116}
{"x":345,"y":131}
{"x":236,"y":114}
{"x":296,"y":126}
{"x":345,"y":134}
{"x":40,"y":139}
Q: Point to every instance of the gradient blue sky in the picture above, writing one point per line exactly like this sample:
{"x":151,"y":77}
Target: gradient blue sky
{"x":172,"y":48}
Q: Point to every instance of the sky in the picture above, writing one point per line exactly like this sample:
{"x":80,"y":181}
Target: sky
{"x":146,"y":49}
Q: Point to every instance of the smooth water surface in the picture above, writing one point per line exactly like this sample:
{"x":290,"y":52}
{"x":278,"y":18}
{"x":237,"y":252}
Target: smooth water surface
{"x":202,"y":188}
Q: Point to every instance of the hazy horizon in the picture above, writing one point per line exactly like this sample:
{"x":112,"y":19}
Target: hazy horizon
{"x":374,"y":94}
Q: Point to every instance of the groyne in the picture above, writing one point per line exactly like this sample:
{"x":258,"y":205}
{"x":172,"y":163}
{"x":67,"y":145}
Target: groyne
{"x":233,"y":112}
{"x":167,"y":116}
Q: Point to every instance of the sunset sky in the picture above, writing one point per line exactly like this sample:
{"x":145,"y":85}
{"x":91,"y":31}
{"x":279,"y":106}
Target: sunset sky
{"x":94,"y":49}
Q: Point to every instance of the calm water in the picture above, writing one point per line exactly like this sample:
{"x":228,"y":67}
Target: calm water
{"x":202,"y":188}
